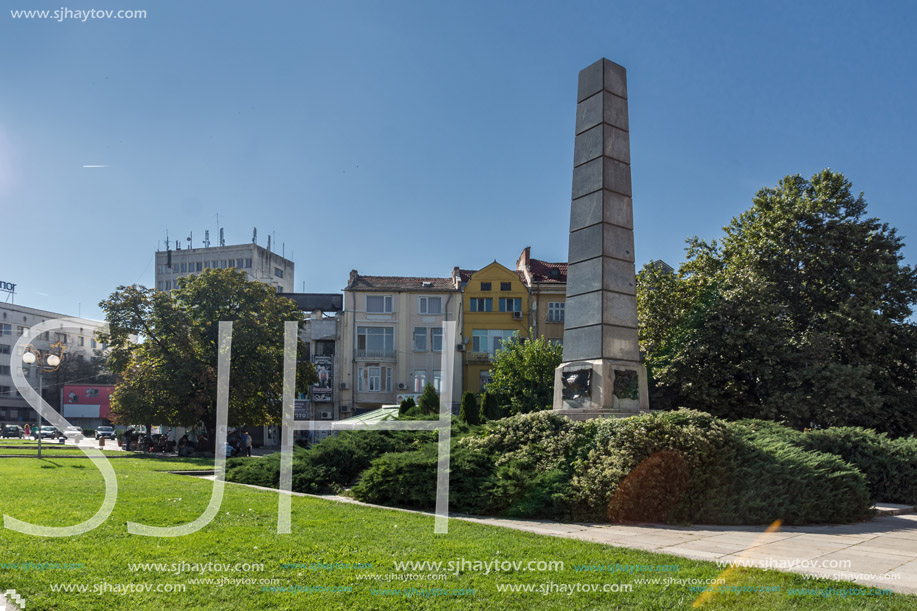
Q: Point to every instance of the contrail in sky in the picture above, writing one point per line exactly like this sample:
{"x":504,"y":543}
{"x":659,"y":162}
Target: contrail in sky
{"x":97,"y":166}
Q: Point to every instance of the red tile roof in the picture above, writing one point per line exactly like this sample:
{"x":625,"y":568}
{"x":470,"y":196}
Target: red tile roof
{"x":546,"y":272}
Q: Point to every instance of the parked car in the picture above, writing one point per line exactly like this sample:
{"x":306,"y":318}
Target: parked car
{"x":47,"y":432}
{"x":107,"y":432}
{"x":73,"y":432}
{"x":12,"y":431}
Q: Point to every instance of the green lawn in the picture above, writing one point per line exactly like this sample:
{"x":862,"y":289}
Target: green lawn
{"x":66,"y":491}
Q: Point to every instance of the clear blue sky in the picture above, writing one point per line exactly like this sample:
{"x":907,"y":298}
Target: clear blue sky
{"x":406,"y":138}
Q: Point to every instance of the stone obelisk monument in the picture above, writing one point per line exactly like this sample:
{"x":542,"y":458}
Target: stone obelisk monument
{"x":601,"y":374}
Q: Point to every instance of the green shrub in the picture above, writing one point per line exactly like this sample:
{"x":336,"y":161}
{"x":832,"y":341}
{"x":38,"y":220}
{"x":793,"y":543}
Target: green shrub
{"x":490,"y":406}
{"x":890,"y":465}
{"x":773,"y":479}
{"x":469,"y":411}
{"x":333,"y":462}
{"x":406,"y":404}
{"x":429,"y":400}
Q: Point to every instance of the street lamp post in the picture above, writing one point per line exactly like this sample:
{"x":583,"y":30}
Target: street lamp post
{"x":47,"y":361}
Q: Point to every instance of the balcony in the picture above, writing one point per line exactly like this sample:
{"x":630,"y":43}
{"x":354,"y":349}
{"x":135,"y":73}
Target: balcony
{"x":376,"y":355}
{"x":477,"y":357}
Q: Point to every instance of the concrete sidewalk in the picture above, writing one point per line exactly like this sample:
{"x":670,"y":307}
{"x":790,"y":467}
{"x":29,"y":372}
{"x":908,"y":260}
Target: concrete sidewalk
{"x":880,"y":553}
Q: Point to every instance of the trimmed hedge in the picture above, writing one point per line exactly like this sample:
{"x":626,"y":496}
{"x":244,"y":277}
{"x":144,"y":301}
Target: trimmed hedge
{"x":679,"y":467}
{"x":890,"y":465}
{"x":327,"y":466}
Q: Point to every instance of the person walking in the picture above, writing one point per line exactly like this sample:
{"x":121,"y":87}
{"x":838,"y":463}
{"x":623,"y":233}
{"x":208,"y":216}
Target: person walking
{"x":247,"y":443}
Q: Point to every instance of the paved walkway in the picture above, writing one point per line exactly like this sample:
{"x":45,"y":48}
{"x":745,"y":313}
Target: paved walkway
{"x":880,"y":553}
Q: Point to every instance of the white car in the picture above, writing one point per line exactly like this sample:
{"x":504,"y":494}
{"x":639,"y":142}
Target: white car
{"x":74,"y":432}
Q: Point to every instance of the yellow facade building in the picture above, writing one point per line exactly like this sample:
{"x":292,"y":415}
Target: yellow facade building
{"x":495,"y":305}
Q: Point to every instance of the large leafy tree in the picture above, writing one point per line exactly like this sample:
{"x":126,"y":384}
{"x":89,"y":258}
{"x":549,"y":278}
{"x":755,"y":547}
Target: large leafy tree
{"x":800,"y":314}
{"x":170,"y":375}
{"x":522,"y":374}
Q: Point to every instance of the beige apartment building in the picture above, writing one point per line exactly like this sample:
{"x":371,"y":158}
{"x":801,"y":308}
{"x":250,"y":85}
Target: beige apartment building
{"x":392,"y":339}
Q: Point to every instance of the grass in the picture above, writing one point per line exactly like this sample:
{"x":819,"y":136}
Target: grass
{"x":66,"y":491}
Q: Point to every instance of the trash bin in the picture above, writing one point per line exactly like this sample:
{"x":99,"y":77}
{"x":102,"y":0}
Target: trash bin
{"x":101,"y":442}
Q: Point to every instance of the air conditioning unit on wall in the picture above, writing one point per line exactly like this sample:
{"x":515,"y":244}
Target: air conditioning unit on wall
{"x":517,"y":315}
{"x":460,"y":347}
{"x":402,"y":386}
{"x":326,"y":415}
{"x":343,"y":386}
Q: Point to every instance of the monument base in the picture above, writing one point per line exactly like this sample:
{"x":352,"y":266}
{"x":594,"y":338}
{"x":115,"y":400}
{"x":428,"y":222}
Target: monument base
{"x":601,"y":388}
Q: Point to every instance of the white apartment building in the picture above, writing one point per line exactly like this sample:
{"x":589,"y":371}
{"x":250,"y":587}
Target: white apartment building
{"x":16,"y":321}
{"x":258,"y":262}
{"x":392,"y":338}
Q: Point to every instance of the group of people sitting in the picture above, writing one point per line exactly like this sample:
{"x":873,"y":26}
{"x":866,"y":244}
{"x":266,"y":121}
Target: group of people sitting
{"x":238,"y":444}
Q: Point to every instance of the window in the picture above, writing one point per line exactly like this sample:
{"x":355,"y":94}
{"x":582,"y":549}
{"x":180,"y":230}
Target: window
{"x":481,"y":304}
{"x":556,"y":311}
{"x":215,"y":264}
{"x":82,"y":341}
{"x":92,"y":342}
{"x":437,"y":380}
{"x":160,"y":285}
{"x":4,"y":370}
{"x":485,"y":286}
{"x":248,"y":263}
{"x":420,"y":379}
{"x":21,"y":331}
{"x":376,"y":342}
{"x":200,"y":266}
{"x":168,"y":285}
{"x":240,"y":263}
{"x":485,"y":379}
{"x":61,"y":337}
{"x":436,"y":339}
{"x":278,"y":272}
{"x":379,"y":304}
{"x":223,"y":263}
{"x":4,"y":390}
{"x":510,"y":304}
{"x":431,"y":305}
{"x":420,"y":339}
{"x":184,"y":268}
{"x":324,"y":347}
{"x":488,"y":341}
{"x":4,"y":348}
{"x":374,"y":379}
{"x":506,"y":286}
{"x":162,"y":269}
{"x":6,"y":329}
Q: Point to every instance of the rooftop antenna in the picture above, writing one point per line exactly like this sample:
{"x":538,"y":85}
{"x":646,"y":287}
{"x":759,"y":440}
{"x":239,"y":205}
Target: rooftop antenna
{"x":269,"y":242}
{"x":206,"y":238}
{"x":167,"y":240}
{"x":255,"y":236}
{"x":222,"y":240}
{"x":191,"y":240}
{"x":283,"y":250}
